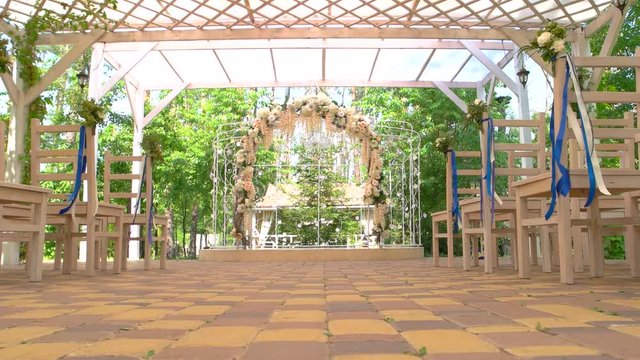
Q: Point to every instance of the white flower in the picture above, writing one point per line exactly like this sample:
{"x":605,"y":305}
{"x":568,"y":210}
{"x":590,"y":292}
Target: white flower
{"x":544,"y":38}
{"x":477,"y":101}
{"x":558,"y":45}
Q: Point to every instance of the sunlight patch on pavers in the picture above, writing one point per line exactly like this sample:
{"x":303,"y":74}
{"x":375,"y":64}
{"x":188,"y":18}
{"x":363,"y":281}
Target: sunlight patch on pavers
{"x":576,"y":313}
{"x":16,"y":335}
{"x":409,"y":315}
{"x":172,"y":324}
{"x":42,"y":351}
{"x":344,"y":297}
{"x":447,"y":341}
{"x":376,"y":356}
{"x":203,"y":310}
{"x":551,"y":322}
{"x":317,"y":335}
{"x":497,"y":329}
{"x":232,"y":336}
{"x":105,"y":309}
{"x":123,"y":347}
{"x":140,"y":314}
{"x":38,"y":314}
{"x":551,"y":350}
{"x":360,"y":326}
{"x":299,"y":316}
{"x":633,"y":330}
{"x":436,"y":301}
{"x":305,"y":301}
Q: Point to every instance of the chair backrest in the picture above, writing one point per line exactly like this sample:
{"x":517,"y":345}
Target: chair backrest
{"x":536,"y":150}
{"x":119,"y":178}
{"x":54,"y":151}
{"x":2,"y":150}
{"x":614,"y":140}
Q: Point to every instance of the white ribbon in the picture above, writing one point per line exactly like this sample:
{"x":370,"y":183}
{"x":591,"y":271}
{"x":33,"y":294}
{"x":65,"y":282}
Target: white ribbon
{"x":586,"y":121}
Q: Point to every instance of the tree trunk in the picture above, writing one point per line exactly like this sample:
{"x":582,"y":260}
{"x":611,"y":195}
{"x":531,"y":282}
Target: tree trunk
{"x":172,"y":247}
{"x":194,"y":231}
{"x":184,"y":228}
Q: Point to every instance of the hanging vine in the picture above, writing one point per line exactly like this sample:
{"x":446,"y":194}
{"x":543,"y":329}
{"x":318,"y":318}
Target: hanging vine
{"x":24,"y":50}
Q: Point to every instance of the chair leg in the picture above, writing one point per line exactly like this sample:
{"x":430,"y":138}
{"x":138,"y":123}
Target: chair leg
{"x":117,"y":247}
{"x":435,"y":244}
{"x":147,"y":251}
{"x":163,"y":247}
{"x":68,"y":253}
{"x":125,"y":246}
{"x":524,"y":271}
{"x":466,"y":256}
{"x":632,"y":235}
{"x":595,"y":240}
{"x":91,"y":247}
{"x":578,"y":249}
{"x":545,"y":248}
{"x":475,"y":242}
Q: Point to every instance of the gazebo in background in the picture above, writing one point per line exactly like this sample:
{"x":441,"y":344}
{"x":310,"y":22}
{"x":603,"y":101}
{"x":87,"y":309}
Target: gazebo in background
{"x":284,"y":43}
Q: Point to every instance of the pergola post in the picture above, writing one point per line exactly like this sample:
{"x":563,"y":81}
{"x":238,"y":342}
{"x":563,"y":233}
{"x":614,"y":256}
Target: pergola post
{"x":136,"y":99}
{"x":15,"y":148}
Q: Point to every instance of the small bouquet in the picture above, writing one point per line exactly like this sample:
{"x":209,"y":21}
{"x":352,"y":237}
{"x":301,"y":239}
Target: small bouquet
{"x":443,"y":143}
{"x":91,"y":112}
{"x":549,"y":42}
{"x":475,"y":112}
{"x":152,"y":146}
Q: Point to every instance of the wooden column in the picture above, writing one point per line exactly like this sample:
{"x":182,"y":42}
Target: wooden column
{"x":563,"y":211}
{"x":450,"y":219}
{"x":487,"y":223}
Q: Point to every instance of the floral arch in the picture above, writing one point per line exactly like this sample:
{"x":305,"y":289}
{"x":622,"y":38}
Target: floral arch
{"x":312,"y":111}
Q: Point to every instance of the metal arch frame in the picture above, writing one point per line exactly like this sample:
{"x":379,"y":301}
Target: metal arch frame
{"x":406,"y":184}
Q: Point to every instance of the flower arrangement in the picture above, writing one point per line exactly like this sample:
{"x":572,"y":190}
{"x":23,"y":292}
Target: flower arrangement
{"x":549,"y":42}
{"x":443,"y":143}
{"x":91,"y":112}
{"x":311,"y":110}
{"x":152,"y":146}
{"x":475,"y":112}
{"x":5,"y":57}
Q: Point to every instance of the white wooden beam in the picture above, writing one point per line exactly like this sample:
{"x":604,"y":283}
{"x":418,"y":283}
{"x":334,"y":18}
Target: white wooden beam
{"x":602,"y":19}
{"x":484,"y":59}
{"x":342,"y":43}
{"x":492,"y":89}
{"x":502,"y":63}
{"x":112,"y":61}
{"x":325,"y":83}
{"x":522,"y":39}
{"x":124,"y":70}
{"x":451,"y":95}
{"x":95,"y":70}
{"x":62,"y":65}
{"x":12,"y":89}
{"x":162,"y":104}
{"x":291,"y":33}
{"x":607,"y":46}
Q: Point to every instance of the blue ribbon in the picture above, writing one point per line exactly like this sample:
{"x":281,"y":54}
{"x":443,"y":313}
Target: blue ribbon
{"x":455,"y":207}
{"x":490,"y":174}
{"x":150,"y":216}
{"x":563,"y":185}
{"x":80,"y":169}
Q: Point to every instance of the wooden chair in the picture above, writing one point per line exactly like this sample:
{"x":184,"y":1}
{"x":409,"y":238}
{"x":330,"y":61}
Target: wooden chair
{"x":472,"y":226}
{"x":113,"y":178}
{"x":618,"y":181}
{"x":52,"y":163}
{"x":466,"y":175}
{"x":22,"y":213}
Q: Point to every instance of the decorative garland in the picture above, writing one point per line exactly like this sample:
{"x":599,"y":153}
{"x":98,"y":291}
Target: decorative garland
{"x":311,"y":110}
{"x":444,"y":143}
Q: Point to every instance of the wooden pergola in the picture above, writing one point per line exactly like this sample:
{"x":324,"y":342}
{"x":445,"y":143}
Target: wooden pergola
{"x":185,"y":44}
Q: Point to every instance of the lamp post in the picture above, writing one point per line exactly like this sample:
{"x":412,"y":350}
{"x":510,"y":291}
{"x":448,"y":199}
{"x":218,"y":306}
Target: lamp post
{"x":620,"y":4}
{"x":523,"y":75}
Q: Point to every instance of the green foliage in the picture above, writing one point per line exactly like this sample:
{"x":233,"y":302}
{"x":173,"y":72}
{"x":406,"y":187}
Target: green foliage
{"x":5,"y":57}
{"x":91,"y":112}
{"x":152,"y":146}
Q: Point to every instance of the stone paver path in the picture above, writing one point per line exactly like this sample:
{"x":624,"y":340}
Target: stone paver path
{"x":397,"y":310}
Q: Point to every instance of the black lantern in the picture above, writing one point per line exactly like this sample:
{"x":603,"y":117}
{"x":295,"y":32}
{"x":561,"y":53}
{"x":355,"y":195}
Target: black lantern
{"x":620,"y":4}
{"x":523,"y":75}
{"x":83,"y":78}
